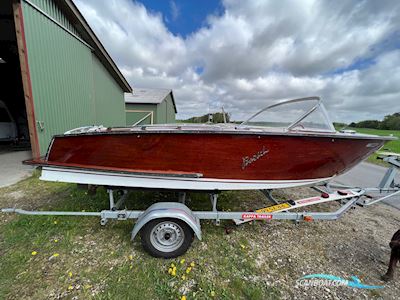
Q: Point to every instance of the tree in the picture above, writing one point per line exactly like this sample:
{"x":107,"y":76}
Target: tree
{"x":368,"y":124}
{"x":390,"y":122}
{"x":217,"y":117}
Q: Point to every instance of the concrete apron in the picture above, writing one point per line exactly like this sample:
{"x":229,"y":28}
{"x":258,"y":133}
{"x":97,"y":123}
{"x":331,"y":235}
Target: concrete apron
{"x":368,"y":175}
{"x":11,"y":168}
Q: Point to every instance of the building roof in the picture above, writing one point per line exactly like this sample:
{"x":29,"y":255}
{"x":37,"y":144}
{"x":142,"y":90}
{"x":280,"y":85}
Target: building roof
{"x":88,"y":35}
{"x":149,"y":96}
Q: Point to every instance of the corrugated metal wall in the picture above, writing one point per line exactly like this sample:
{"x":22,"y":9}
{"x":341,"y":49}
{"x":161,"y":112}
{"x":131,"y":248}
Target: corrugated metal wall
{"x":109,"y":110}
{"x":162,"y":113}
{"x":171,"y":115}
{"x":135,"y":112}
{"x":70,"y":86}
{"x":166,"y":111}
{"x":61,"y":76}
{"x":50,"y":7}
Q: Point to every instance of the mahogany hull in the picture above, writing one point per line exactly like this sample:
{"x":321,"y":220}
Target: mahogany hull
{"x":252,"y":157}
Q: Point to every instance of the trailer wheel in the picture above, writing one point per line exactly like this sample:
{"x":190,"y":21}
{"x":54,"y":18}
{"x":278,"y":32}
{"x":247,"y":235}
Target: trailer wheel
{"x":167,"y":238}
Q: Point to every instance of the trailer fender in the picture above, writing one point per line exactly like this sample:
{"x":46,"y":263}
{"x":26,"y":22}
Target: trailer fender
{"x":173,"y":210}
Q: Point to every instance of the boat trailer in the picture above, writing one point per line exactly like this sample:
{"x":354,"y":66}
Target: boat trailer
{"x":167,"y":229}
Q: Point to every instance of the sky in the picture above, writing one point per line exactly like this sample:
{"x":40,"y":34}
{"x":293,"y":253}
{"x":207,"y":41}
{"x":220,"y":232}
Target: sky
{"x":245,"y":55}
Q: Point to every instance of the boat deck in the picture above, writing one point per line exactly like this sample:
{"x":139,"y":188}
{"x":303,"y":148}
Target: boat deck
{"x":228,"y":128}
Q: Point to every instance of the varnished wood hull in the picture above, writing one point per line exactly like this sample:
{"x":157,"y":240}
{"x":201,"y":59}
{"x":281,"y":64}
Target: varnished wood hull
{"x":224,"y":160}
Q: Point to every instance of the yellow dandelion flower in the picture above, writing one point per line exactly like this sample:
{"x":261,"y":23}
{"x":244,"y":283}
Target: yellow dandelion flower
{"x":243,"y":246}
{"x":55,"y":241}
{"x":56,"y":255}
{"x":188,"y":270}
{"x":70,"y":287}
{"x":192,"y":264}
{"x":55,"y":222}
{"x":174,"y":269}
{"x":131,"y":257}
{"x":182,"y":261}
{"x":173,"y":273}
{"x":172,"y":265}
{"x":34,"y":253}
{"x":183,"y":297}
{"x":69,"y":274}
{"x":183,"y":277}
{"x":212,"y":294}
{"x":169,"y":270}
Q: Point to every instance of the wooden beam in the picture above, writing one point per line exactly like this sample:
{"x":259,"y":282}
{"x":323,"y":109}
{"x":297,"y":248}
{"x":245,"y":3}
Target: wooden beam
{"x":26,"y":79}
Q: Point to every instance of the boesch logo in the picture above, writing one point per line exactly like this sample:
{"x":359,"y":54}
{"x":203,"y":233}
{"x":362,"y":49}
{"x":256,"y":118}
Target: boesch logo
{"x":246,"y":160}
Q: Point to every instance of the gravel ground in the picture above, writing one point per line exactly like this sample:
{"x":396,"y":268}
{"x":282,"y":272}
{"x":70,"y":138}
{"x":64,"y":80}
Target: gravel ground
{"x":355,"y":245}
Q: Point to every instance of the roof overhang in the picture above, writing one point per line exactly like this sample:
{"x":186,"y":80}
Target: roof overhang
{"x":173,"y":101}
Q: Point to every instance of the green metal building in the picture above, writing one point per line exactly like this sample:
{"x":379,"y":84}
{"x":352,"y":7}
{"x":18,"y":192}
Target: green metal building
{"x":65,"y":77}
{"x":150,"y":106}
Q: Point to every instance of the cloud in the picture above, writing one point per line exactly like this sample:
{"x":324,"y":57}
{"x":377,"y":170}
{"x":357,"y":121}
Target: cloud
{"x":174,"y":10}
{"x":257,"y":50}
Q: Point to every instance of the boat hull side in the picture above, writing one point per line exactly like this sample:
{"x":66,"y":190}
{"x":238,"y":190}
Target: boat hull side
{"x":220,"y":156}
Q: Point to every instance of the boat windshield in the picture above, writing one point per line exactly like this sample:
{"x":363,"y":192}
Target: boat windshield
{"x":304,"y":114}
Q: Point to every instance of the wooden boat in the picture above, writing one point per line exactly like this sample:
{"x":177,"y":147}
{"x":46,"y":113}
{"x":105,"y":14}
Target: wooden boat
{"x":306,"y":150}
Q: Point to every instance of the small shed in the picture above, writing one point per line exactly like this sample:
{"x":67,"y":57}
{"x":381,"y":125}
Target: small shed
{"x":150,"y":106}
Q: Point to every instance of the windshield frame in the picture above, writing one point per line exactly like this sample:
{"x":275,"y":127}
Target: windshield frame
{"x":319,"y":105}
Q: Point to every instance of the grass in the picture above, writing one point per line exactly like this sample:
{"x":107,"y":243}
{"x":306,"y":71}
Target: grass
{"x":391,"y":146}
{"x":49,"y":256}
{"x":52,"y":257}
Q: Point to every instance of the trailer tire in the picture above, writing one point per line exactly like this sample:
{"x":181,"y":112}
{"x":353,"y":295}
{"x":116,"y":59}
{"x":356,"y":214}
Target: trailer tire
{"x":166,"y":237}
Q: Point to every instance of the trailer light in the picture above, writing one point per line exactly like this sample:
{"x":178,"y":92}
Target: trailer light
{"x":308,"y":218}
{"x":325,"y":195}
